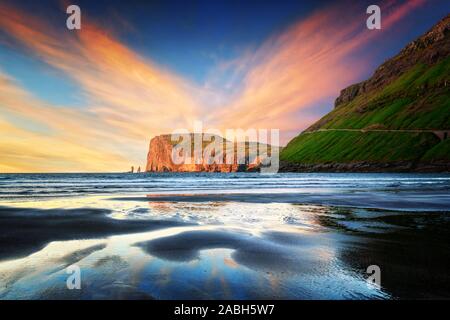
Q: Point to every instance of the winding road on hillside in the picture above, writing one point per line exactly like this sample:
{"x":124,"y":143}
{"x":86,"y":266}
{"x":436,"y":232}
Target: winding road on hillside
{"x":441,"y":134}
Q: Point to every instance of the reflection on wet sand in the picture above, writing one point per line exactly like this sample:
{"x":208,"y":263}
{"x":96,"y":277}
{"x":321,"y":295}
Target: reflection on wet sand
{"x":27,"y":230}
{"x":220,"y":250}
{"x":247,"y":250}
{"x":412,"y":250}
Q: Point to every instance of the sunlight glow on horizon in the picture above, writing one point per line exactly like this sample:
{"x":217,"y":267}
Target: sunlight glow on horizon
{"x":129,"y":98}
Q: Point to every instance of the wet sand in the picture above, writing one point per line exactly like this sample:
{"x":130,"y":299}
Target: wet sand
{"x":223,"y":250}
{"x":27,"y":230}
{"x":437,"y":200}
{"x":225,"y":236}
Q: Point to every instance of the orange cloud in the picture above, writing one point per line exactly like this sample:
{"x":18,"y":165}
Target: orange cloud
{"x":301,"y":66}
{"x":64,"y":140}
{"x":128,"y":88}
{"x":129,"y":98}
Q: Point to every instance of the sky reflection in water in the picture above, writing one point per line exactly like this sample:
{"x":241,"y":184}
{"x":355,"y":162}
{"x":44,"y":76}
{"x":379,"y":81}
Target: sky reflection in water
{"x":236,"y":248}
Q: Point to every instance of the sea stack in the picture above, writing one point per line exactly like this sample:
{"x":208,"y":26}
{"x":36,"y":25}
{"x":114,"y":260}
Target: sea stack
{"x":159,"y":158}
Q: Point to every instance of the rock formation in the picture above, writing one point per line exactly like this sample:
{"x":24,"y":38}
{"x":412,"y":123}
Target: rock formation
{"x":428,"y":49}
{"x":397,"y":120}
{"x":159,"y":158}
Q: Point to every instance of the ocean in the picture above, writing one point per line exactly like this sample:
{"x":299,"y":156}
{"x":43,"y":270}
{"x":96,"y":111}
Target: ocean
{"x":225,"y":236}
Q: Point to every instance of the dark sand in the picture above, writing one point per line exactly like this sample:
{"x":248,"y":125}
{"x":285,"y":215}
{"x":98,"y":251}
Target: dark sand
{"x":24,"y":231}
{"x":257,"y":253}
{"x":411,"y":248}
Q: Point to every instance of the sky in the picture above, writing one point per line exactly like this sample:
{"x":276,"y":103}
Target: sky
{"x":90,"y":100}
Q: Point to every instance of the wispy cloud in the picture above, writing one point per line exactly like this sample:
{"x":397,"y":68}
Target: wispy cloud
{"x":128,"y":98}
{"x":295,"y":70}
{"x":66,"y":140}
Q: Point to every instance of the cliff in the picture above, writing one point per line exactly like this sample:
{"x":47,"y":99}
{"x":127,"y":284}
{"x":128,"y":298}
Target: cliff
{"x":428,"y":49}
{"x":397,"y":120}
{"x":159,"y":158}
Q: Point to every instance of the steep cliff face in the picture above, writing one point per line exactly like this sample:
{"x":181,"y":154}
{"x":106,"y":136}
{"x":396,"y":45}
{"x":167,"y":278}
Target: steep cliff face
{"x":159,"y":159}
{"x":397,"y":120}
{"x":428,"y":49}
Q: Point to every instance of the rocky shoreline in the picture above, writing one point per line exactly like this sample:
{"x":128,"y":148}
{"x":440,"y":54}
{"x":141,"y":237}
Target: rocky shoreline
{"x":400,"y":166}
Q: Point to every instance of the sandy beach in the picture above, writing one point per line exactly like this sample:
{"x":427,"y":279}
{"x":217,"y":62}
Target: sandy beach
{"x":173,"y":242}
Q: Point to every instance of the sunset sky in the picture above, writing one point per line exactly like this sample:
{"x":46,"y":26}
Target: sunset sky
{"x":90,"y":100}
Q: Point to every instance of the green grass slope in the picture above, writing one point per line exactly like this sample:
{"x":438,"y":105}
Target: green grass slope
{"x":343,"y":147}
{"x":418,"y":98}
